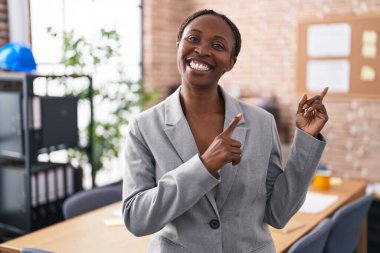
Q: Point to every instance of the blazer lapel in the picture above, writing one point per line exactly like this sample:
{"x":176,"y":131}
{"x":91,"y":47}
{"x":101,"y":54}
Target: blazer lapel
{"x":228,"y":172}
{"x":177,"y":129}
{"x":182,"y":139}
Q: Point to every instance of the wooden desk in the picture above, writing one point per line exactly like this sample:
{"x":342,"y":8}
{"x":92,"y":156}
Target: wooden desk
{"x":347,"y":191}
{"x":82,"y":234}
{"x":88,"y":233}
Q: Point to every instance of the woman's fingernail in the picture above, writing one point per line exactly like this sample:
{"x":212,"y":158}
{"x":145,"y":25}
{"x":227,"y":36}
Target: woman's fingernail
{"x":303,"y":96}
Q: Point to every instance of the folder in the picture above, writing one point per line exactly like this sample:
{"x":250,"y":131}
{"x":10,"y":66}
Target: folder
{"x":41,"y":186}
{"x":36,"y":120}
{"x":34,"y":190}
{"x":69,"y":179}
{"x":60,"y":182}
{"x":52,"y":196}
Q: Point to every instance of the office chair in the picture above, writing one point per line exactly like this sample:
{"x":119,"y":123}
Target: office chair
{"x":32,"y":250}
{"x":345,"y":233}
{"x":89,"y":200}
{"x":315,"y":241}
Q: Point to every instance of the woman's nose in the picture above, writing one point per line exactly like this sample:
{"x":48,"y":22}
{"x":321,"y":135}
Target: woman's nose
{"x":202,"y":50}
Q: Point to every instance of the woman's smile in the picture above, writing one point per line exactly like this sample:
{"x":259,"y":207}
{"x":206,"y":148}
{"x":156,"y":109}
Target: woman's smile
{"x":198,"y":65}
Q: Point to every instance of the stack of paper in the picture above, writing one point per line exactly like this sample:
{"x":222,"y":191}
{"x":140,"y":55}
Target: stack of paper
{"x":317,"y":202}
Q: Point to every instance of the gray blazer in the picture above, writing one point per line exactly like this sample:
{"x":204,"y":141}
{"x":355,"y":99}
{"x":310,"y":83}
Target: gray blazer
{"x":168,"y":191}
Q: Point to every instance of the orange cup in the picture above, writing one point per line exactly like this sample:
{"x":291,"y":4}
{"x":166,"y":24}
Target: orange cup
{"x":322,"y":180}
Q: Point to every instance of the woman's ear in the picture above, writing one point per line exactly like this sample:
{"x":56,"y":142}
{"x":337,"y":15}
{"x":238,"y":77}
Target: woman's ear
{"x":231,"y":64}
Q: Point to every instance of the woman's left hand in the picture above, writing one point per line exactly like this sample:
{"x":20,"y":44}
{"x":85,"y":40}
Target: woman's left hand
{"x":311,"y":114}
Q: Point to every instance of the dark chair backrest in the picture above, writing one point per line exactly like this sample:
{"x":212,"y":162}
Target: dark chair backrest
{"x":314,"y":241}
{"x":345,"y":233}
{"x":89,"y":200}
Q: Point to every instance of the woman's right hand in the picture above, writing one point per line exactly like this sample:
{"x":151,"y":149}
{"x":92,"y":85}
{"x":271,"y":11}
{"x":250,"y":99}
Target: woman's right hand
{"x":223,"y":149}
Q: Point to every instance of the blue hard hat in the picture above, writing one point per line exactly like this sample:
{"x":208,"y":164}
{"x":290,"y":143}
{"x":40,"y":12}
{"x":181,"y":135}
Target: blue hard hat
{"x":17,"y":57}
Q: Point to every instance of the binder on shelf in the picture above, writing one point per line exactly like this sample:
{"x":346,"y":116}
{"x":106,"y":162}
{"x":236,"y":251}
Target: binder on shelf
{"x":52,"y":196}
{"x":34,"y":190}
{"x":69,"y":179}
{"x":36,"y":113}
{"x":59,"y":113}
{"x":60,"y":182}
{"x":41,"y":186}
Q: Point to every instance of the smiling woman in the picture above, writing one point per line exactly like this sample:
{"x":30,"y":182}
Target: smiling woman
{"x":203,"y":170}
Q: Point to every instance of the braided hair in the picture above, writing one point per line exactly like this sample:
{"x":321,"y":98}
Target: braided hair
{"x":233,"y":27}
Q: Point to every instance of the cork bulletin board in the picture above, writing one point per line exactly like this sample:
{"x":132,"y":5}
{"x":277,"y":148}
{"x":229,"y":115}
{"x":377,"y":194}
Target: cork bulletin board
{"x":340,"y":52}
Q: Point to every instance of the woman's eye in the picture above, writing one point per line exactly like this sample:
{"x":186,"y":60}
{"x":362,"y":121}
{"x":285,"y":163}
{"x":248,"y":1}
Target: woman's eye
{"x":192,"y":39}
{"x":218,"y":46}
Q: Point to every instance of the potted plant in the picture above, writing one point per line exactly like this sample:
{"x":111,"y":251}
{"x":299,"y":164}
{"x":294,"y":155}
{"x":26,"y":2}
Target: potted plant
{"x":120,"y":95}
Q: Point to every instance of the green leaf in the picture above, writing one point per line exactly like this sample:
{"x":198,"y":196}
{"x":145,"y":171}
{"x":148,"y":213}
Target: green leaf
{"x":83,"y":56}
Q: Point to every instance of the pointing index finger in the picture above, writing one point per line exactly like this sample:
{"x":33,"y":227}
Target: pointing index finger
{"x":230,"y":129}
{"x":324,"y":92}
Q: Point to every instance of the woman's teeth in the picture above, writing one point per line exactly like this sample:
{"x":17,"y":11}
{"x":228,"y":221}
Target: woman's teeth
{"x":199,"y":66}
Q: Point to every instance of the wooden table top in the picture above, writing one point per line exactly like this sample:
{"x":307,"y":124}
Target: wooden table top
{"x":89,"y":233}
{"x":347,"y":191}
{"x":82,"y":234}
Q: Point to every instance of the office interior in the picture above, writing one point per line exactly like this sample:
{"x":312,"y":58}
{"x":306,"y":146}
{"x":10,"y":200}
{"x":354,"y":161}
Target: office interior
{"x":63,"y":119}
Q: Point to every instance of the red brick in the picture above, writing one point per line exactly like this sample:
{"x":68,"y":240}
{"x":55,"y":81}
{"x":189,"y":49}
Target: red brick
{"x":266,"y":66}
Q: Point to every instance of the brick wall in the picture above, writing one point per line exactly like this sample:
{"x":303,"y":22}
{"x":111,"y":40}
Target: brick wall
{"x":266,"y":67}
{"x":161,"y":20}
{"x":4,"y":32}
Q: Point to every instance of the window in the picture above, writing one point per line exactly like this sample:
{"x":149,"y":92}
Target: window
{"x":86,"y":18}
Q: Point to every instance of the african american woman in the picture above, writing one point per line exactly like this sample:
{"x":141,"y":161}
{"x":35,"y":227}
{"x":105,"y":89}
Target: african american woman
{"x":203,"y":169}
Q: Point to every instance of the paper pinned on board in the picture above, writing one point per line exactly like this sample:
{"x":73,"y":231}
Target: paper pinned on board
{"x":317,"y":202}
{"x":369,"y":37}
{"x":332,"y":73}
{"x":367,"y":74}
{"x":369,"y":51}
{"x":329,"y":40}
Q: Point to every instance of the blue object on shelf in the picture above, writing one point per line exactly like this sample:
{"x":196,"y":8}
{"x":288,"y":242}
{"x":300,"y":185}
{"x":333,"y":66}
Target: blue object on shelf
{"x":17,"y":57}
